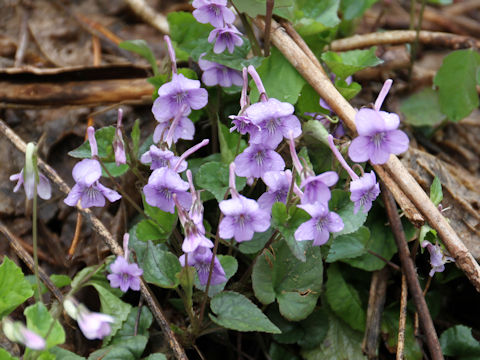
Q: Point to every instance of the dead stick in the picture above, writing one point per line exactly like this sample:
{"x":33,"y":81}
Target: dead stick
{"x":143,"y":10}
{"x":106,"y":236}
{"x":394,"y":168}
{"x":402,"y":321}
{"x":376,"y":302}
{"x":15,"y":243}
{"x":396,"y":37}
{"x":410,"y":273}
{"x":268,"y":23}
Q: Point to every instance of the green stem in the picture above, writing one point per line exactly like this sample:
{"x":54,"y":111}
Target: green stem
{"x":38,"y":295}
{"x":250,"y":34}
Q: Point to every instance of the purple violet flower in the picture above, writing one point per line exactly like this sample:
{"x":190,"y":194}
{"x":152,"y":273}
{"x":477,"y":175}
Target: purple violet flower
{"x":378,"y":134}
{"x":256,"y":160}
{"x":278,"y":183}
{"x":242,"y":124}
{"x":93,"y":325}
{"x":44,"y":189}
{"x":242,"y":216}
{"x":364,"y":190}
{"x":316,"y":188}
{"x":86,"y":174}
{"x":437,"y":257}
{"x":125,"y":275}
{"x":184,"y":129}
{"x":217,"y":74}
{"x":179,"y":91}
{"x":158,"y":158}
{"x":214,"y":12}
{"x":118,"y":145}
{"x":319,"y":227}
{"x":201,"y":259}
{"x":17,"y":332}
{"x":225,"y":38}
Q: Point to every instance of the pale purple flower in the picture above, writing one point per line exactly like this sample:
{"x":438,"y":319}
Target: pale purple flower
{"x":437,"y":257}
{"x":242,"y":124}
{"x":201,"y":259}
{"x":118,"y":145}
{"x":316,"y":188}
{"x":319,"y":227}
{"x":214,"y":12}
{"x":179,"y":91}
{"x":162,"y":184}
{"x":158,"y":158}
{"x":275,"y":120}
{"x":278,"y":183}
{"x":17,"y":332}
{"x":184,"y":129}
{"x":242,"y":218}
{"x":93,"y":325}
{"x":217,"y":74}
{"x":44,"y":189}
{"x":256,"y":160}
{"x":125,"y":275}
{"x":225,"y":38}
{"x":378,"y":134}
{"x":364,"y":191}
{"x":88,"y":189}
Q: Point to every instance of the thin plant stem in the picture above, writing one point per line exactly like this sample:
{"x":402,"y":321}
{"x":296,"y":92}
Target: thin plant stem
{"x":38,"y":295}
{"x":268,"y":24}
{"x":250,"y":34}
{"x":414,"y":48}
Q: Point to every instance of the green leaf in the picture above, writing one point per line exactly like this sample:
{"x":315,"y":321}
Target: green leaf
{"x":292,"y":81}
{"x":130,"y":349}
{"x":156,"y":356}
{"x":436,"y":194}
{"x":159,"y":266}
{"x":311,"y":17}
{"x":141,"y":48}
{"x":63,"y":354}
{"x":149,"y":230}
{"x":189,"y":35}
{"x":114,"y":170}
{"x":14,"y":289}
{"x":229,"y":265}
{"x":228,"y":143}
{"x":287,"y":224}
{"x":389,"y":330}
{"x":348,"y":91}
{"x":440,"y":2}
{"x":458,"y":342}
{"x":355,"y":8}
{"x":104,"y":137}
{"x":278,"y":352}
{"x":349,"y":245}
{"x":213,"y":176}
{"x":234,"y":311}
{"x":112,"y":305}
{"x":257,"y":243}
{"x":165,"y":221}
{"x":295,"y":284}
{"x":135,"y":135}
{"x":128,"y":328}
{"x":40,"y":321}
{"x":456,"y":81}
{"x":422,"y":109}
{"x":309,"y":100}
{"x":341,"y":342}
{"x":4,"y":355}
{"x":258,"y":7}
{"x":344,"y":299}
{"x":237,"y":60}
{"x":341,"y":204}
{"x":381,"y":242}
{"x":315,"y":130}
{"x":347,"y":63}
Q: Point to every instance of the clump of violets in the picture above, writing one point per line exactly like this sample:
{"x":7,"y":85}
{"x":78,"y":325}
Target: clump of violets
{"x":125,"y":275}
{"x":93,"y":325}
{"x":26,"y":176}
{"x":118,"y":144}
{"x":217,"y":74}
{"x":17,"y":332}
{"x":87,"y":189}
{"x":378,"y":133}
{"x":438,"y":259}
{"x":176,"y":99}
{"x":242,"y":217}
{"x":364,"y":190}
{"x":319,"y":227}
{"x":164,"y":182}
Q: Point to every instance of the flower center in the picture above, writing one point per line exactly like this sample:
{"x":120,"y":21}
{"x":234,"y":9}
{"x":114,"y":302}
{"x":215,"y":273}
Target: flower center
{"x":272,"y":125}
{"x":378,"y":139}
{"x":179,"y":97}
{"x":259,"y":157}
{"x":215,"y":9}
{"x":321,"y":223}
{"x":166,"y":193}
{"x":91,"y":192}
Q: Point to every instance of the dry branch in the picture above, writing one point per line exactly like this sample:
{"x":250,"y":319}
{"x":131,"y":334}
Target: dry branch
{"x":107,"y":237}
{"x":394,"y":168}
{"x":143,"y":10}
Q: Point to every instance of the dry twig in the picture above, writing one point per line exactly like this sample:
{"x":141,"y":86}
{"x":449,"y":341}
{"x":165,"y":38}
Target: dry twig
{"x":107,"y":237}
{"x":394,"y":168}
{"x":142,"y":9}
{"x":402,"y":321}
